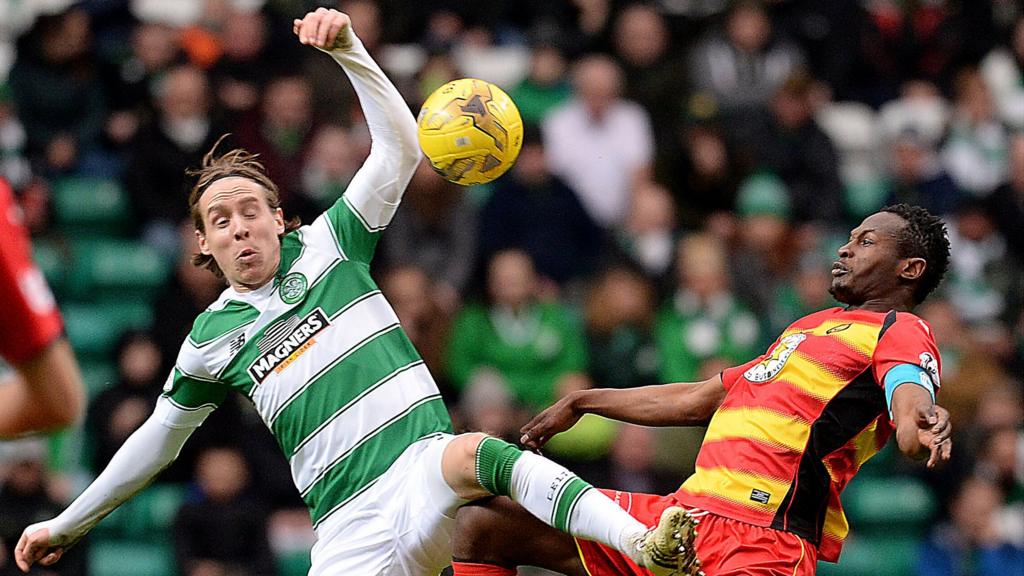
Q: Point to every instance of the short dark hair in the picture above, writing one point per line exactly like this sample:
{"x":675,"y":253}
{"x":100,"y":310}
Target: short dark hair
{"x":924,"y":236}
{"x":237,"y":162}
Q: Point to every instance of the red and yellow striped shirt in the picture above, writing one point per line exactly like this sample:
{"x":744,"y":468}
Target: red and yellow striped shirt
{"x":798,"y":422}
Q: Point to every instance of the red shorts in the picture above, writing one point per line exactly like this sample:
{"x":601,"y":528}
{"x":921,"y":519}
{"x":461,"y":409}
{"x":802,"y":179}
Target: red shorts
{"x":726,"y":547}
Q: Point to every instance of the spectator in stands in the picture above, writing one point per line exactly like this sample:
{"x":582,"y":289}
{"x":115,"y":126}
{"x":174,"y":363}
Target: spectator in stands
{"x":976,"y":148}
{"x":436,"y":231}
{"x":918,"y":177}
{"x":281,"y":133}
{"x":532,"y":210}
{"x":790,"y":143}
{"x":971,"y":542}
{"x":170,"y":142}
{"x":743,"y":65}
{"x":982,"y":275}
{"x":805,"y":292}
{"x":14,"y":165}
{"x":1003,"y":70}
{"x":223,"y":532}
{"x":703,"y":320}
{"x":57,"y":91}
{"x":698,"y":165}
{"x":899,"y":41}
{"x":762,"y":258}
{"x":131,"y":83}
{"x":544,"y":87}
{"x":619,"y":316}
{"x":654,"y":77}
{"x":333,"y":160}
{"x":119,"y":410}
{"x":1007,"y":202}
{"x":534,"y":345}
{"x":647,"y":238}
{"x":25,"y":496}
{"x":242,"y":66}
{"x":487,"y":405}
{"x":631,"y":462}
{"x":600,"y":143}
{"x":417,"y":301}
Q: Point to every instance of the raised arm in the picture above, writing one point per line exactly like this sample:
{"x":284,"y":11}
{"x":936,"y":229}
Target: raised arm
{"x":680,"y":404}
{"x":394,"y":151}
{"x":144,"y":455}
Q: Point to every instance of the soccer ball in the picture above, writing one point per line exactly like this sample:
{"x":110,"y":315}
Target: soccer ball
{"x":470,"y":131}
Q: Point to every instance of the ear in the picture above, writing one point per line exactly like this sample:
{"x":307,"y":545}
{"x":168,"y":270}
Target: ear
{"x":204,"y":248}
{"x":912,"y":268}
{"x":279,"y":221}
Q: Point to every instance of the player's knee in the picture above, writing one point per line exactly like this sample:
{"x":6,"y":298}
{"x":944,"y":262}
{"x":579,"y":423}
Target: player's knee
{"x":463,"y":448}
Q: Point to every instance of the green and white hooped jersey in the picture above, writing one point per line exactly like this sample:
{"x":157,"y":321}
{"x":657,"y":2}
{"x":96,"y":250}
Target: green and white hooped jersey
{"x":321,"y":354}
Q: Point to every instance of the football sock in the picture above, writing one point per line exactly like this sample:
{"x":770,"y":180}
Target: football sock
{"x":474,"y":569}
{"x":554,"y":495}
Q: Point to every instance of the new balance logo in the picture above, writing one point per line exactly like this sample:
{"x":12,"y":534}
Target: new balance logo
{"x":760,"y":496}
{"x":236,"y":344}
{"x":287,"y":346}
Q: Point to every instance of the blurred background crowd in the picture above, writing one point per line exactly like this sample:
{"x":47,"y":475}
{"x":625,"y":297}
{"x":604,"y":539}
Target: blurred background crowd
{"x":688,"y":171}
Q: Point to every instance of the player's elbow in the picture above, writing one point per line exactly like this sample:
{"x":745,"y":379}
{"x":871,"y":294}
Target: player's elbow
{"x":409,"y":155}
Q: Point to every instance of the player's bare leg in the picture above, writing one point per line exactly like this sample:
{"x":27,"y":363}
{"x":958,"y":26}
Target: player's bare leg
{"x":494,"y":535}
{"x":477,"y":466}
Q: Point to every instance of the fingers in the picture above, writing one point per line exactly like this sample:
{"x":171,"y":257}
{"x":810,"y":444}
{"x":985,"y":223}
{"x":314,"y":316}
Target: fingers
{"x":926,"y":416}
{"x":19,"y":554}
{"x":320,"y":28}
{"x":52,"y":557}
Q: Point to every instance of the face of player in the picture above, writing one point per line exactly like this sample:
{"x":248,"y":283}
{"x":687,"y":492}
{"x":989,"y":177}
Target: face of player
{"x":241,"y":232}
{"x":869,"y":268}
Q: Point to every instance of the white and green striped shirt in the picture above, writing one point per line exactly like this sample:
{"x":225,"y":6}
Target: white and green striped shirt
{"x":318,"y":350}
{"x":331,"y":373}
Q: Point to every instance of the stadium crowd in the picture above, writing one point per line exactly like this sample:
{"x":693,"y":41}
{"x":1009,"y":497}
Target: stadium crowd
{"x":688,"y":170}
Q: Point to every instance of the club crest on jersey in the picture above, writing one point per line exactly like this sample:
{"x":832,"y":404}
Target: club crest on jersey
{"x":284,"y":342}
{"x":770,"y":367}
{"x":293,"y":288}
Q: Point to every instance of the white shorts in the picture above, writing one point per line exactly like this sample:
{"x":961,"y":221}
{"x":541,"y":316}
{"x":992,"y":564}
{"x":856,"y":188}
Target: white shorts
{"x":400,"y":526}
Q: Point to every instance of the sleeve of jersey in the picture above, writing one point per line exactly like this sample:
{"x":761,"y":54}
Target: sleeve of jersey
{"x":731,"y":375}
{"x":31,"y":319}
{"x":192,"y":398}
{"x":908,"y":341}
{"x":144,"y":454}
{"x":368,"y":205}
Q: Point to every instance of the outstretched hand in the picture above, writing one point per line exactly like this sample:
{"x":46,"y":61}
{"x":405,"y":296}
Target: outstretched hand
{"x":323,"y":28}
{"x":34,"y":546}
{"x":934,"y":431}
{"x":557,"y":418}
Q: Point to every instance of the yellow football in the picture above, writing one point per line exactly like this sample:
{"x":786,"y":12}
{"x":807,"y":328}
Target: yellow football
{"x":470,"y":130}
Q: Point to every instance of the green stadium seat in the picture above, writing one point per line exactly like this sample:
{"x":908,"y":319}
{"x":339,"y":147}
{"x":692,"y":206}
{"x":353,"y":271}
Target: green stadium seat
{"x":97,"y":375}
{"x":93,"y":329}
{"x":146,"y":517}
{"x":130,"y":558}
{"x":889,"y":555}
{"x":293,"y":563}
{"x":52,"y":261}
{"x":90,"y":205}
{"x":877,"y":505}
{"x":116,"y":268}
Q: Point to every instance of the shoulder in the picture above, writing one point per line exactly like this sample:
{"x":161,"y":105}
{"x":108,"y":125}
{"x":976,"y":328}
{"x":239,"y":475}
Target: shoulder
{"x":221,"y":318}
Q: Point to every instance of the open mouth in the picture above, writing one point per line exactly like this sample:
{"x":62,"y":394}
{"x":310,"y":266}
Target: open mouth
{"x":839,"y":270}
